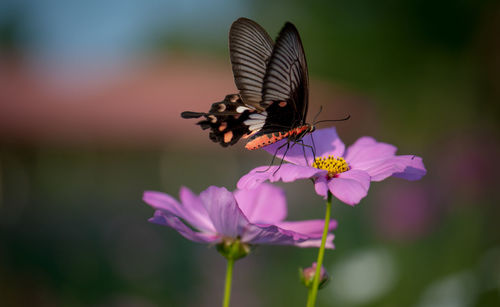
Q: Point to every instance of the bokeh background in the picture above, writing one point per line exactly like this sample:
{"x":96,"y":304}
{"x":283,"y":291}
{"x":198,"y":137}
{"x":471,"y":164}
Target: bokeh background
{"x":90,"y":96}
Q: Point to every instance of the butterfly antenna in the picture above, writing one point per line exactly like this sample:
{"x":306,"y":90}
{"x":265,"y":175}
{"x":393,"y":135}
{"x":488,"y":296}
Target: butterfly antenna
{"x":317,"y":114}
{"x":333,"y":120}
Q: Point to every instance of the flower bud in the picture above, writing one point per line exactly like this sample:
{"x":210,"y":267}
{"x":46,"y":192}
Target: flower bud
{"x":307,"y":276}
{"x":233,"y":249}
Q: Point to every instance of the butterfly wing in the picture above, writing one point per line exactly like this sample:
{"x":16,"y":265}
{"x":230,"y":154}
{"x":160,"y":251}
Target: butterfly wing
{"x":250,"y":48}
{"x":286,"y":83}
{"x":273,"y":85}
{"x":225,"y":119}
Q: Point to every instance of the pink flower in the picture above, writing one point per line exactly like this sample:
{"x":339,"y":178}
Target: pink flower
{"x":251,"y":216}
{"x":345,"y":173}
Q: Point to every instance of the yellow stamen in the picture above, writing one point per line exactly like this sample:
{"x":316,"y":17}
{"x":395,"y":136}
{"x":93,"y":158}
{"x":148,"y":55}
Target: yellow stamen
{"x":333,"y":165}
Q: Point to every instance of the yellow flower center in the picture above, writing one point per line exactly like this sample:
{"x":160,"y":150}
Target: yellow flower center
{"x":331,"y":164}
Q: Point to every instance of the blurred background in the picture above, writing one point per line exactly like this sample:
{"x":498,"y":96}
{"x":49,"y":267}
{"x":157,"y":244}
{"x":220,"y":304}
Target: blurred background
{"x":90,"y":97}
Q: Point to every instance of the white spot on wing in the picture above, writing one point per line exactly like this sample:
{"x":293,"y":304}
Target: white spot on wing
{"x":241,"y":109}
{"x":256,"y":127}
{"x":257,"y":116}
{"x":250,"y":122}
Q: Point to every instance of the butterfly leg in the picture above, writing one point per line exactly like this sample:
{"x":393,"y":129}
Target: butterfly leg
{"x":301,"y":143}
{"x":274,"y":157}
{"x":314,"y":146}
{"x":284,"y":155}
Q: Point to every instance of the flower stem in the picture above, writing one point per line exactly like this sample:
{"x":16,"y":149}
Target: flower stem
{"x":313,"y":293}
{"x":229,"y":277}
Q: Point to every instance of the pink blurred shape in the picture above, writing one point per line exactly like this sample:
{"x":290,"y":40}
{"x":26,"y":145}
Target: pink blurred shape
{"x":138,"y":105}
{"x":404,"y":211}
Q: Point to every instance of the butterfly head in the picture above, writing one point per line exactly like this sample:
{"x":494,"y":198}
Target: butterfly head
{"x":312,"y":128}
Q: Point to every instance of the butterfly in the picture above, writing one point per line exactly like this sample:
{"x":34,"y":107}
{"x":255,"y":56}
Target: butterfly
{"x":272,"y":80}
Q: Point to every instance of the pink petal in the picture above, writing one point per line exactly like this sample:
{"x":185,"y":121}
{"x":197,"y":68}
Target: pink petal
{"x":414,"y":169}
{"x":195,"y":212}
{"x":265,"y":204}
{"x":163,"y":201}
{"x":351,"y":186}
{"x":166,"y":219}
{"x":321,"y":186}
{"x":223,"y":210}
{"x":365,"y":150}
{"x":271,"y":234}
{"x":379,"y":160}
{"x":317,"y":242}
{"x":311,"y":228}
{"x":254,"y":178}
{"x":268,"y":234}
{"x":325,"y":141}
{"x":409,"y":167}
{"x":286,"y":173}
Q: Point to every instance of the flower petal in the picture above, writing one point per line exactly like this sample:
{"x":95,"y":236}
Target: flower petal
{"x":271,"y":234}
{"x":311,"y":228}
{"x":324,"y":141}
{"x":286,"y":173}
{"x":317,"y":242}
{"x":327,"y":142}
{"x":162,"y":201}
{"x":351,"y":186}
{"x":195,"y":212}
{"x":167,"y":219}
{"x":264,"y":204}
{"x":379,"y":160}
{"x":366,"y":149}
{"x":223,"y":210}
{"x":414,"y":169}
{"x":321,"y":186}
{"x":408,"y":167}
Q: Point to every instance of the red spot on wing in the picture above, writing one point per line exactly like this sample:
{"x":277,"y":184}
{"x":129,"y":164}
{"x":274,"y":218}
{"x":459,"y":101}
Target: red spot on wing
{"x":223,"y":126}
{"x":228,"y":136}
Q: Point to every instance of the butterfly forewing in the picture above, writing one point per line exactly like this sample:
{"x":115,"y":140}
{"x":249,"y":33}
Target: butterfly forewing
{"x":250,"y":49}
{"x":286,"y":80}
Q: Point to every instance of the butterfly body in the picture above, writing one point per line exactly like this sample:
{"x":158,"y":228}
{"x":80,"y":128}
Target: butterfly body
{"x":272,"y":80}
{"x":270,"y":138}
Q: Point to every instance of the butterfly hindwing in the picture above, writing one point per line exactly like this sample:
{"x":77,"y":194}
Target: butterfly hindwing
{"x":225,"y":119}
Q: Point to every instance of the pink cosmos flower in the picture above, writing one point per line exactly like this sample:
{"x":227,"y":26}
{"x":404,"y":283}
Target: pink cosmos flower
{"x":345,"y":173}
{"x":251,"y":216}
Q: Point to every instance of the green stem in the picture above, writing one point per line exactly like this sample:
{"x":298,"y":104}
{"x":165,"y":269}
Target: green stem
{"x":313,"y":293}
{"x":229,"y":277}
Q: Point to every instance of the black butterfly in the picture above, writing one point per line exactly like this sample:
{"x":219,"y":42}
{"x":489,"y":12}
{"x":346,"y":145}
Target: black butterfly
{"x":272,"y":80}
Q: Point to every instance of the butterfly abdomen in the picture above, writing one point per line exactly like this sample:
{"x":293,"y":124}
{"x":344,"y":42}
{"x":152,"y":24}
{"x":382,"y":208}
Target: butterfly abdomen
{"x":270,"y":138}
